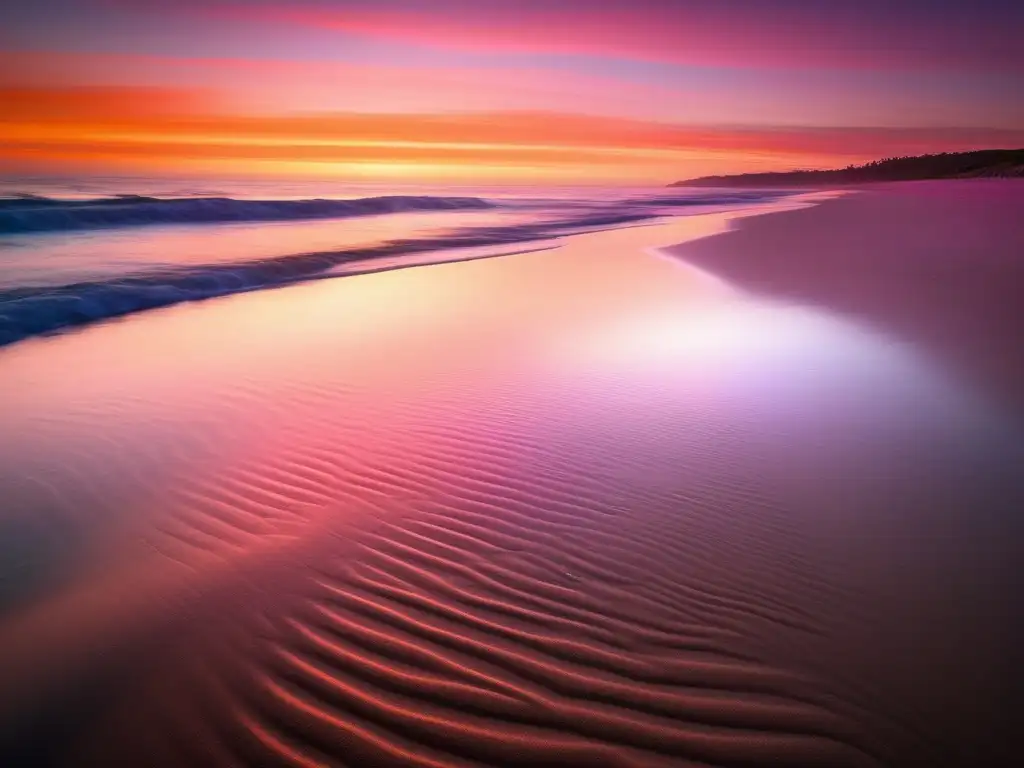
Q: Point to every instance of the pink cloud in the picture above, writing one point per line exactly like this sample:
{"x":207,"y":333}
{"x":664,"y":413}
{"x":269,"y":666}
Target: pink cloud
{"x":703,"y":34}
{"x":277,"y":85}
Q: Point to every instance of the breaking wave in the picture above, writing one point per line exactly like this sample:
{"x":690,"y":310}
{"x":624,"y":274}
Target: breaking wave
{"x":30,"y":213}
{"x":32,"y":310}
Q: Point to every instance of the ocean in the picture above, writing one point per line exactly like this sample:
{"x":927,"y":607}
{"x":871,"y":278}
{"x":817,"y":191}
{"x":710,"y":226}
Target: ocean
{"x":75,"y":251}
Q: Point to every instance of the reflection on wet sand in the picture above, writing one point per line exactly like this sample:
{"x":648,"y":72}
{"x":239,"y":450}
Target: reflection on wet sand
{"x":587,"y":505}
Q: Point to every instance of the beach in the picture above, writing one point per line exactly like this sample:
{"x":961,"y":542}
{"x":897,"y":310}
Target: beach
{"x":937,"y":264}
{"x":739,"y":488}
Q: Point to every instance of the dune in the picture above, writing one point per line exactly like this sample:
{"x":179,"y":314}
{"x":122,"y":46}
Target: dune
{"x":589,"y":506}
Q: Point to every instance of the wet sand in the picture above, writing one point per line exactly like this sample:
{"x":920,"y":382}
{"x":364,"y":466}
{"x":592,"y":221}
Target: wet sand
{"x":937,"y":264}
{"x":586,"y":506}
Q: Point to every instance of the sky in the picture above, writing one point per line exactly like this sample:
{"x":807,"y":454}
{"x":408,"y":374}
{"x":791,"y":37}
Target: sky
{"x":521,"y":91}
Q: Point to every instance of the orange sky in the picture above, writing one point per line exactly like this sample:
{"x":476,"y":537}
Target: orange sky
{"x":400,"y":90}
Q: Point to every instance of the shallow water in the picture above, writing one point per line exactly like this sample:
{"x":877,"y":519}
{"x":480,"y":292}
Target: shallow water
{"x":66,"y":262}
{"x":55,"y":260}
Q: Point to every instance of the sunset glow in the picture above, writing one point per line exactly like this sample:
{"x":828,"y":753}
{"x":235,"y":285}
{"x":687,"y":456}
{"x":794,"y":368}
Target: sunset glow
{"x":528,"y":91}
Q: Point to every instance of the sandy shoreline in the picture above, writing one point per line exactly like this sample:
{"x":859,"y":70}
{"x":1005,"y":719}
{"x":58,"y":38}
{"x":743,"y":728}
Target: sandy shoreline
{"x":583,"y":506}
{"x":938,"y":264}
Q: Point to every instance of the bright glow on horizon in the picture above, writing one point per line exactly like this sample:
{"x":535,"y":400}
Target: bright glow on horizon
{"x":627,"y":92}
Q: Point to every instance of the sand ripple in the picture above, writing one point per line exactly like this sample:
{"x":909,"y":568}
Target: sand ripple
{"x":339,"y":553}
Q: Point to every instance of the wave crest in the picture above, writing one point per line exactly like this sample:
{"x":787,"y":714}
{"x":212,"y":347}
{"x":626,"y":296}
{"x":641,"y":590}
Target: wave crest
{"x":29,"y":213}
{"x":30,"y":311}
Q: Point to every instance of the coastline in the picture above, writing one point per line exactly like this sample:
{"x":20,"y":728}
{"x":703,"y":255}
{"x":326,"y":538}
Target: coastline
{"x":582,"y":502}
{"x":37,"y":308}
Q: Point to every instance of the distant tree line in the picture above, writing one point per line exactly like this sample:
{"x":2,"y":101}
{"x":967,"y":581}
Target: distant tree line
{"x":945,"y":165}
